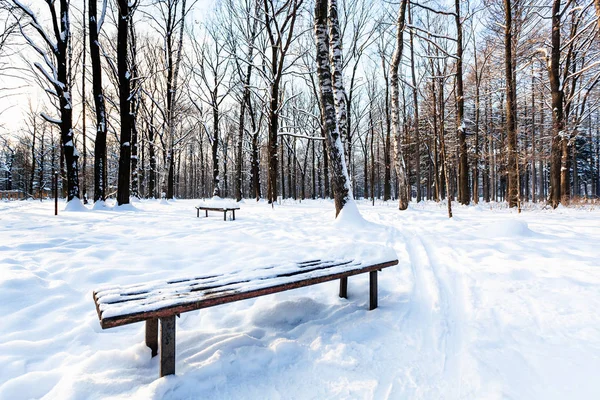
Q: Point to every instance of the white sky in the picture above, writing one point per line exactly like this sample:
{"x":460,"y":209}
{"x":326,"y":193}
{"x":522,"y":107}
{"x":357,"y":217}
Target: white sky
{"x":14,"y":108}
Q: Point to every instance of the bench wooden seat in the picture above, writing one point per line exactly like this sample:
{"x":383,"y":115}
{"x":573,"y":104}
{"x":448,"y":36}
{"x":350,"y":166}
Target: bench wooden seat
{"x":163,"y":300}
{"x":221,"y":209}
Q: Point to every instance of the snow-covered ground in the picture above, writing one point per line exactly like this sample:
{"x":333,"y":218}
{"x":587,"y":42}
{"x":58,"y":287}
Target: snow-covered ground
{"x":488,"y":305}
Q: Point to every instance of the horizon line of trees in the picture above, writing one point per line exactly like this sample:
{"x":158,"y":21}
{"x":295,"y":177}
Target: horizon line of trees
{"x":482,"y":101}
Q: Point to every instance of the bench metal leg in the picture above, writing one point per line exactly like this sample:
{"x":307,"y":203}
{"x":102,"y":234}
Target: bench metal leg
{"x":167,"y":346}
{"x":224,"y":215}
{"x":206,"y":211}
{"x":372,"y":290}
{"x":344,"y":288}
{"x":233,"y":211}
{"x":152,"y":335}
{"x":197,"y":213}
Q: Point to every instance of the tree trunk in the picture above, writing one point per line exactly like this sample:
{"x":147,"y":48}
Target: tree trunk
{"x":511,"y":99}
{"x":100,"y":158}
{"x":32,"y":175}
{"x":557,"y":108}
{"x":124,"y":76}
{"x":215,"y":144}
{"x":387,"y":148}
{"x":272,"y":142}
{"x":341,"y":183}
{"x":395,"y":110}
{"x":416,"y":111}
{"x":71,"y":156}
{"x":463,"y":166}
{"x":84,"y":108}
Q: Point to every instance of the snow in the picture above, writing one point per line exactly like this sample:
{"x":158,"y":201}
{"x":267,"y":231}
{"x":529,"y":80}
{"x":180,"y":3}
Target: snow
{"x":50,"y":119}
{"x":490,"y":304}
{"x":75,"y":205}
{"x":218,"y":202}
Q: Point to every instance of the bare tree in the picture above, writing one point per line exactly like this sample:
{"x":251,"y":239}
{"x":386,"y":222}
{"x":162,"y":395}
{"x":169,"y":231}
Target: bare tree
{"x":100,"y":159}
{"x":395,"y":109}
{"x":209,"y":72}
{"x":57,"y":60}
{"x":244,"y":32}
{"x":279,"y":23}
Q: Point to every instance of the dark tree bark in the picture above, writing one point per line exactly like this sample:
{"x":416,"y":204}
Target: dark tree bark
{"x":84,"y":108}
{"x":511,"y":108}
{"x":135,"y":100}
{"x":32,"y":172}
{"x":173,"y":57}
{"x":387,"y":147}
{"x":255,"y":156}
{"x":152,"y":155}
{"x":557,"y":101}
{"x":463,"y":166}
{"x":124,"y":75}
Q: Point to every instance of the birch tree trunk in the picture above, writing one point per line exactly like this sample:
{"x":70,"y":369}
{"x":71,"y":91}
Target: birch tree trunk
{"x":341,"y":182}
{"x":335,"y":55}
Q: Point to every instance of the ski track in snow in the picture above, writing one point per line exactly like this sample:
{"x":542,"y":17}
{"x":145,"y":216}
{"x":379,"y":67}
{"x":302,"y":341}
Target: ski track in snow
{"x":490,"y":304}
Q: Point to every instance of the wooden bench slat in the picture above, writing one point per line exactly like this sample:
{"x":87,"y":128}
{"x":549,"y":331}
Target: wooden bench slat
{"x":165,"y":301}
{"x":115,"y":295}
{"x":121,"y":293}
{"x":217,"y":208}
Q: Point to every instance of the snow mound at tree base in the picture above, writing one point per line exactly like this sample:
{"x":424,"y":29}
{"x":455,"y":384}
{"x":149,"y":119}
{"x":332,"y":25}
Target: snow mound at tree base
{"x":125,"y":207}
{"x":99,"y":205}
{"x":350,"y":217}
{"x":75,"y":205}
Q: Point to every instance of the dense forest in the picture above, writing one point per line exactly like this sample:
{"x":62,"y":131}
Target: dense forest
{"x":475,"y":101}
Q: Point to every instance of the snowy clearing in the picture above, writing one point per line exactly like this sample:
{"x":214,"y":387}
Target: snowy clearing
{"x":490,"y":304}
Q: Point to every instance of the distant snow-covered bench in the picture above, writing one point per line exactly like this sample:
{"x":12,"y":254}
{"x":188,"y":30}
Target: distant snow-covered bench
{"x":217,"y":204}
{"x":163,"y":300}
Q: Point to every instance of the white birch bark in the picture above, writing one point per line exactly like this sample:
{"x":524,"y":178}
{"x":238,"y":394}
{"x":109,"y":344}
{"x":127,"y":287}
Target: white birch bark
{"x":341,"y":181}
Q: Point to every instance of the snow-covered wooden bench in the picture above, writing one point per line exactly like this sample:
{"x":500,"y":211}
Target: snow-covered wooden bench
{"x":221,"y":209}
{"x":217,"y":204}
{"x":163,"y":300}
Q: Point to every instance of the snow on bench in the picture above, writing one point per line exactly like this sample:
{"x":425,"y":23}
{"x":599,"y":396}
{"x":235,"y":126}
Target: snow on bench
{"x":163,"y":300}
{"x":217,"y":204}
